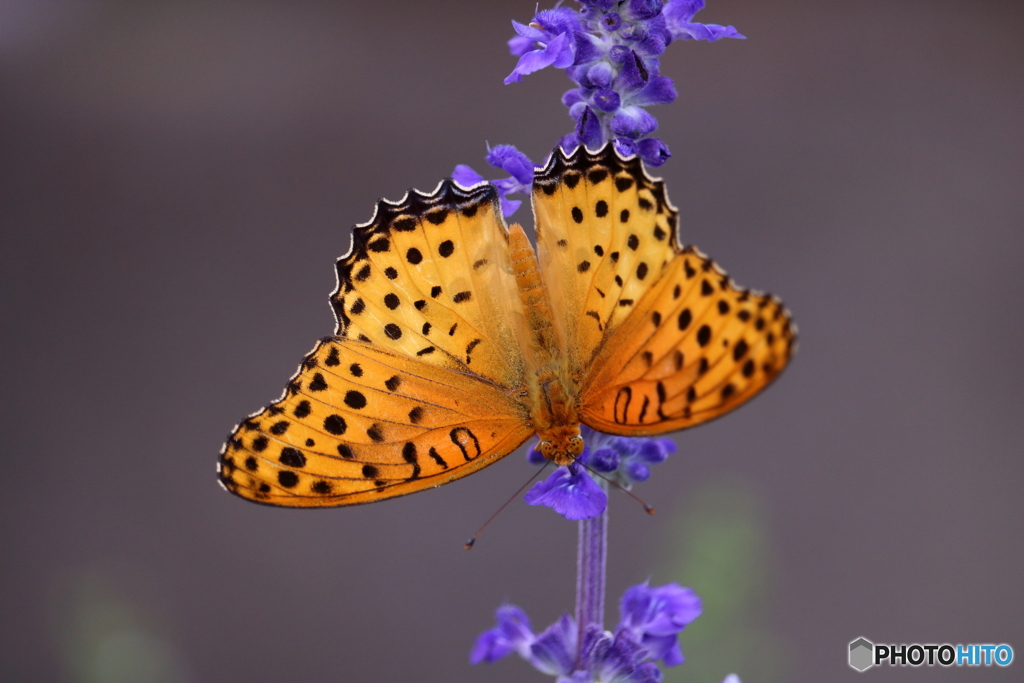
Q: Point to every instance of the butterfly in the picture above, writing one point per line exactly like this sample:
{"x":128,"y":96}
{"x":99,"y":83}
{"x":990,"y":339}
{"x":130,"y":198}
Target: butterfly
{"x":457,"y":341}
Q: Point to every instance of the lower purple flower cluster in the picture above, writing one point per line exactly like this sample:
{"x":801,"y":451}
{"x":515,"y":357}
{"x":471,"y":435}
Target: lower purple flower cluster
{"x":651,"y":620}
{"x":573,"y":493}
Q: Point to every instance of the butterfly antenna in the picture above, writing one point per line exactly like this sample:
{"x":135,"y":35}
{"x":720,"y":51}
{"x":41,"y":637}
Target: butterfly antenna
{"x":470,"y":542}
{"x":647,"y":508}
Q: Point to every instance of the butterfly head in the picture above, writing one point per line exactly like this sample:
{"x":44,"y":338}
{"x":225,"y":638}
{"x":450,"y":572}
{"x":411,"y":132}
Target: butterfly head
{"x":561,"y":445}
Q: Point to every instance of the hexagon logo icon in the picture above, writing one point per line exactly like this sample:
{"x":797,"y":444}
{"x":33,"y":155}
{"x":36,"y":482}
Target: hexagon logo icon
{"x":862,"y":653}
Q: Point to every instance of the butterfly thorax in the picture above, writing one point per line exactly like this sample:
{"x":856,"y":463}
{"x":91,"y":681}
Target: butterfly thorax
{"x":551,"y":393}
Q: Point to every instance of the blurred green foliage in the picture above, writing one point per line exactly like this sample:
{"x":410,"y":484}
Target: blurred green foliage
{"x":109,"y":632}
{"x":720,"y":547}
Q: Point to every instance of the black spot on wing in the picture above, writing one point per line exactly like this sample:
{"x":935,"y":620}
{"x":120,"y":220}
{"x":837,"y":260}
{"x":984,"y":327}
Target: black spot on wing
{"x":404,"y":224}
{"x":292,"y":457}
{"x":355,"y":399}
{"x":380,"y":245}
{"x":318,"y":383}
{"x":335,"y":424}
{"x":375,"y":432}
{"x":437,"y":216}
{"x":703,"y":335}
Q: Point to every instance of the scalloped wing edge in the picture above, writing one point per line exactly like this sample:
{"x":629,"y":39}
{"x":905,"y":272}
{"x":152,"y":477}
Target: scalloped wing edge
{"x":448,"y":192}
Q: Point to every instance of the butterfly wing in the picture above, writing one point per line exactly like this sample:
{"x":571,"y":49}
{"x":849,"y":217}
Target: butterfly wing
{"x":360,"y":423}
{"x":414,"y":391}
{"x":605,"y":231}
{"x":658,"y":336}
{"x":693,"y":348}
{"x":430,"y":278}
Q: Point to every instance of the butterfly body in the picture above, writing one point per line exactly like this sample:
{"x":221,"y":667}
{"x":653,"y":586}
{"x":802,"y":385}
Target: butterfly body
{"x":551,"y":396}
{"x":457,"y":341}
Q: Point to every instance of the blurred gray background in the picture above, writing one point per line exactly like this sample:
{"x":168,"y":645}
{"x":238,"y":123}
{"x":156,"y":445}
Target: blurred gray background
{"x":178,"y":178}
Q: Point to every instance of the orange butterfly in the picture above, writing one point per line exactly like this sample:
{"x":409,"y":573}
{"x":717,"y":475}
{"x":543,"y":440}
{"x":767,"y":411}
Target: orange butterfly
{"x":454,"y":345}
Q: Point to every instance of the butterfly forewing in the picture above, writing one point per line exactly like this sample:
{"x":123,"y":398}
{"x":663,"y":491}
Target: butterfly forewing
{"x":429,"y":277}
{"x":359,"y":423}
{"x":605,"y":231}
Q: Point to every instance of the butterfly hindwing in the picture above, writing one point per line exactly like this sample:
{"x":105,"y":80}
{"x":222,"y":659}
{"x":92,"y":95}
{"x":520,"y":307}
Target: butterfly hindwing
{"x":694,"y":347}
{"x":360,"y":423}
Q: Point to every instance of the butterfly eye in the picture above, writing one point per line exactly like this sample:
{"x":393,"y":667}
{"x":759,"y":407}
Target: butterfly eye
{"x":546,"y":449}
{"x":576,"y":445}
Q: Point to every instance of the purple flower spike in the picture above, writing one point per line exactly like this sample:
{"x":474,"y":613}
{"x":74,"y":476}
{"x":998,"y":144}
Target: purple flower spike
{"x":641,"y":10}
{"x":601,"y":75}
{"x":557,"y":53}
{"x":611,"y":21}
{"x":637,"y":471}
{"x":651,"y":621}
{"x":606,"y":99}
{"x":633,"y":123}
{"x":621,"y":460}
{"x":678,"y":16}
{"x":466,"y":176}
{"x":633,"y":73}
{"x":604,"y":460}
{"x":653,"y":151}
{"x":570,"y":492}
{"x":614,"y":658}
{"x":611,"y":49}
{"x":520,"y":45}
{"x":554,"y":651}
{"x":656,"y":450}
{"x":655,"y":616}
{"x":509,"y":159}
{"x":512,"y":634}
{"x":659,"y":90}
{"x":588,"y":129}
{"x":625,"y":147}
